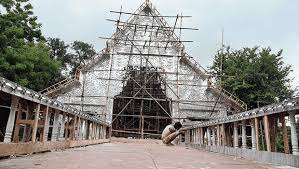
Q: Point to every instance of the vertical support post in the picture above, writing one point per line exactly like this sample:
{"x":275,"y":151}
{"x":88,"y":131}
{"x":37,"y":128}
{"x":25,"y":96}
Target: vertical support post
{"x":73,"y":128}
{"x":191,"y":136}
{"x":78,"y":128}
{"x":187,"y":137}
{"x":218,"y":136}
{"x":253,"y":134}
{"x":110,"y":133}
{"x":236,"y":136}
{"x":285,"y":134}
{"x":97,"y":131}
{"x":256,"y":123}
{"x":55,"y":126}
{"x":200,"y":136}
{"x":101,"y":131}
{"x":294,"y":136}
{"x":67,"y":127}
{"x":223,"y":134}
{"x":194,"y":136}
{"x":46,"y":124}
{"x":34,"y":128}
{"x":11,"y":119}
{"x":209,"y":136}
{"x":25,"y":133}
{"x":92,"y":130}
{"x":244,"y":144}
{"x":213,"y":136}
{"x":62,"y":128}
{"x":267,"y":132}
{"x":17,"y":125}
{"x":87,"y":129}
{"x":105,"y":132}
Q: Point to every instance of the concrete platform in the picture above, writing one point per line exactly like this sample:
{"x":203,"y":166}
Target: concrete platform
{"x":130,"y":154}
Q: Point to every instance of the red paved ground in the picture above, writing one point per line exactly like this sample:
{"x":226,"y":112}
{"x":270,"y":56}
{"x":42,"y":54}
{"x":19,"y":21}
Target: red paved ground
{"x":130,"y":154}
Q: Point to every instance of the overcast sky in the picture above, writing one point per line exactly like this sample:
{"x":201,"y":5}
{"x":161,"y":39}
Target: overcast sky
{"x":247,"y":23}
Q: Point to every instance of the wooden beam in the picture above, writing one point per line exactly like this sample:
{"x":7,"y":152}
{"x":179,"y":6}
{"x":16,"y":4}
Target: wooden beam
{"x":17,"y":126}
{"x":267,"y":132}
{"x":34,"y":127}
{"x":223,"y":133}
{"x":46,"y":125}
{"x":284,"y":134}
{"x":256,"y":120}
{"x":67,"y":128}
{"x":273,"y":132}
{"x":218,"y":135}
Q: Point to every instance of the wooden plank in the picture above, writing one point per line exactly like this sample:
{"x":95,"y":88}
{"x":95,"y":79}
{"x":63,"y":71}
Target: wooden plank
{"x":34,"y":127}
{"x":273,"y":131}
{"x":285,"y":134}
{"x":46,"y":125}
{"x":73,"y":127}
{"x":267,"y":132}
{"x":224,"y":141}
{"x":67,"y":128}
{"x":256,"y":120}
{"x":29,"y":148}
{"x":17,"y":126}
{"x":29,"y":122}
{"x":218,"y":136}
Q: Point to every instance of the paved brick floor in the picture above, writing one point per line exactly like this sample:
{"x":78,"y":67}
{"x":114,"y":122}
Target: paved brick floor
{"x":130,"y":154}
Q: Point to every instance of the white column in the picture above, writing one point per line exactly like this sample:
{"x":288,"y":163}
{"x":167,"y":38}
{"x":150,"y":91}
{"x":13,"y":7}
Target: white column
{"x":244,"y":144}
{"x":213,"y":136}
{"x":253,"y":135}
{"x":55,"y":126}
{"x":236,"y":136}
{"x":294,"y":136}
{"x":218,"y":136}
{"x":47,"y":118}
{"x":11,"y":119}
{"x":105,"y":132}
{"x":194,"y":136}
{"x":82,"y":131}
{"x":101,"y":132}
{"x":62,"y":123}
{"x":200,"y":136}
{"x":209,"y":136}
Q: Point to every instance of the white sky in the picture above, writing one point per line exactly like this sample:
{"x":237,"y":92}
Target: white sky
{"x":247,"y":23}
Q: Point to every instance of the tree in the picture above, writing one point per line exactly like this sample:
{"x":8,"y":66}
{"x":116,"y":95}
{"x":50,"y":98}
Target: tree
{"x":30,"y":66}
{"x":18,"y":25}
{"x":82,"y":53}
{"x":255,"y":75}
{"x":24,"y":56}
{"x":59,"y":51}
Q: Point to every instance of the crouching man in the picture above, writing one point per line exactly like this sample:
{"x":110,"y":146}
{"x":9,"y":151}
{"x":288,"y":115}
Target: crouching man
{"x":171,"y":132}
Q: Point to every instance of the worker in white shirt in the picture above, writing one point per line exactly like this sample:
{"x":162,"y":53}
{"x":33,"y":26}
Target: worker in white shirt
{"x":171,"y":132}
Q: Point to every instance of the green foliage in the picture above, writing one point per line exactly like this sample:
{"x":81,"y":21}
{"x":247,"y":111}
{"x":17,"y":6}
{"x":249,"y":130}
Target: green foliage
{"x":255,"y":75}
{"x":59,"y":51}
{"x":72,"y":55}
{"x":82,"y":52}
{"x":30,"y":66}
{"x":24,"y":57}
{"x":18,"y":25}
